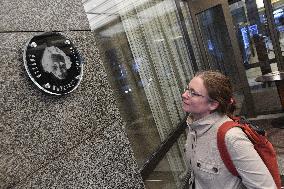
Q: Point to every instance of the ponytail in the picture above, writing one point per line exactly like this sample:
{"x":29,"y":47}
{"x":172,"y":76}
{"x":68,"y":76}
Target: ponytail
{"x":231,"y":107}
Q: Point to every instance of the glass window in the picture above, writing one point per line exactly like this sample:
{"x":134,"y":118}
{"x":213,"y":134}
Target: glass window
{"x":146,"y":54}
{"x":165,"y":177}
{"x":278,"y":16}
{"x":251,"y":24}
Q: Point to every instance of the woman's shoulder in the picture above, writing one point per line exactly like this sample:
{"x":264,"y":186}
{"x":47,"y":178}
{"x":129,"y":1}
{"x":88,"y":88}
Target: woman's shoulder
{"x":235,"y":135}
{"x":222,"y":119}
{"x":235,"y":132}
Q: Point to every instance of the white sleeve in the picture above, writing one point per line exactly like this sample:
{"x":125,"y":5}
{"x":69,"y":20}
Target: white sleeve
{"x":248,"y":163}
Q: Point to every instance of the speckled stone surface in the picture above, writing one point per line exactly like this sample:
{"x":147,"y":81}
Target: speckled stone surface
{"x":84,"y":167}
{"x":42,"y":15}
{"x":74,"y":141}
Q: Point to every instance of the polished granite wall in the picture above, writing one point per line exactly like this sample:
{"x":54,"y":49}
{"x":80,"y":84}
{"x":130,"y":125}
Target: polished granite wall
{"x":74,"y":141}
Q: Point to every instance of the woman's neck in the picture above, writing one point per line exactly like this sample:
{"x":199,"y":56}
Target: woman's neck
{"x":196,"y":117}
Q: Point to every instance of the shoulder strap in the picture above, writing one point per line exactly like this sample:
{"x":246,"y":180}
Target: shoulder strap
{"x":222,"y":145}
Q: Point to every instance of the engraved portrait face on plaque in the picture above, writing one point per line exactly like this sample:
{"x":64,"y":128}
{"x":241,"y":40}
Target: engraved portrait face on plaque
{"x":53,"y":63}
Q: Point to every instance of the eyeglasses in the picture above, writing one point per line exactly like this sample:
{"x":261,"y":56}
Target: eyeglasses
{"x":192,"y":93}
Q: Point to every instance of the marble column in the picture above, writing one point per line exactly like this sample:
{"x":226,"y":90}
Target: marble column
{"x":73,"y":141}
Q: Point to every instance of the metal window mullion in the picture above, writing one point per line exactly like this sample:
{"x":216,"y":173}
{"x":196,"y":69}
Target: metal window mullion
{"x":274,"y":34}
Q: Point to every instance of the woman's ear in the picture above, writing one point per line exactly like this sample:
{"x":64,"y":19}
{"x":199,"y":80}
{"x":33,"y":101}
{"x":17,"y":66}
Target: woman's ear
{"x":213,"y":105}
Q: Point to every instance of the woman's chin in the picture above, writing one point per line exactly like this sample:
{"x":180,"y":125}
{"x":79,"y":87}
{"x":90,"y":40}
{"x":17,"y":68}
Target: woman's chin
{"x":186,"y":109}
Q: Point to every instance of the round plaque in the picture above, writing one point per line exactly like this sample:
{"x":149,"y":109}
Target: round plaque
{"x":53,"y":63}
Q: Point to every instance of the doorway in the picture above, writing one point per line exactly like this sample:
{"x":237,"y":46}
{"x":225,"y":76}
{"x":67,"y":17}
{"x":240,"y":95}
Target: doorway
{"x":218,"y":45}
{"x":235,"y":39}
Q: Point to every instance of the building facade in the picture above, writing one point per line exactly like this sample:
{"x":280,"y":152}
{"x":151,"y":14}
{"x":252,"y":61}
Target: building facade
{"x":48,"y":141}
{"x":120,"y":128}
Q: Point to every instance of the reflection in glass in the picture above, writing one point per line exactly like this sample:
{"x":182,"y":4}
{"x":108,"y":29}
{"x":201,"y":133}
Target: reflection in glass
{"x":162,"y":176}
{"x":278,"y":15}
{"x":257,"y":51}
{"x":147,"y":61}
{"x":253,"y":35}
{"x":216,"y":40}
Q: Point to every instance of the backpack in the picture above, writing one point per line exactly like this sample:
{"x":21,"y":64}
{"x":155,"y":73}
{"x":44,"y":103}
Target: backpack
{"x":261,"y":144}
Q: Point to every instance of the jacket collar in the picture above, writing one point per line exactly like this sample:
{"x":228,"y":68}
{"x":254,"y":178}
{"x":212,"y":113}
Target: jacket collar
{"x":204,"y":124}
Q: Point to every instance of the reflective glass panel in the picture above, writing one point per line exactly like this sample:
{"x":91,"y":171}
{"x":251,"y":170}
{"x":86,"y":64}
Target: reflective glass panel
{"x":217,"y":43}
{"x":148,"y":62}
{"x":278,"y":16}
{"x":163,"y":177}
{"x":251,"y":26}
{"x":219,"y":50}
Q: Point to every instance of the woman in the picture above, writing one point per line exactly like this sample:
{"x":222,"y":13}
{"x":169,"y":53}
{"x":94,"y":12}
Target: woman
{"x":208,"y":99}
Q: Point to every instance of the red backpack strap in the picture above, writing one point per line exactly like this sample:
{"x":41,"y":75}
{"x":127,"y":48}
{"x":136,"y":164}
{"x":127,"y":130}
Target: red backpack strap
{"x":223,"y":148}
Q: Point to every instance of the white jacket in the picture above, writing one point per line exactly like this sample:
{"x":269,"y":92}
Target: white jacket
{"x":208,"y":169}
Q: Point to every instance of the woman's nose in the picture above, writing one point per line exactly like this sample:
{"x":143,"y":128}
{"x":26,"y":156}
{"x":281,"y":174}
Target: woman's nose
{"x":184,"y":95}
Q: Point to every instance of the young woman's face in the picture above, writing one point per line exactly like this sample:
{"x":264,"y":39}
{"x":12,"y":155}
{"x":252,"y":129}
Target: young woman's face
{"x":195,"y":99}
